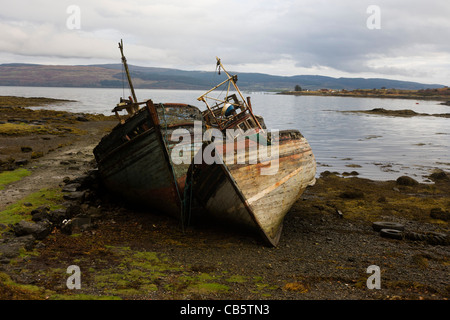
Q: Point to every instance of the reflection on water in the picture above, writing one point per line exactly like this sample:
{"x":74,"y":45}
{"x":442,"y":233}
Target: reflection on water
{"x":376,"y":147}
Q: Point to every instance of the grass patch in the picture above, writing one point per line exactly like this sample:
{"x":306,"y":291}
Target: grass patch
{"x":237,"y":279}
{"x":20,"y":129}
{"x":138,"y":272}
{"x":143,"y":272}
{"x":7,"y":177}
{"x":14,"y":291}
{"x":22,"y":208}
{"x":10,"y":129}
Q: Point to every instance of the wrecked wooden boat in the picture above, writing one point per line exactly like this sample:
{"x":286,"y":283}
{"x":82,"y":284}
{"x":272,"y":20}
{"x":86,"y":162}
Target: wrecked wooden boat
{"x":256,"y":175}
{"x":135,"y":161}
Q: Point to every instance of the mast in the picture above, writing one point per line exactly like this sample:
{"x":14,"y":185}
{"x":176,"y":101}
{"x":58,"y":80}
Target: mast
{"x":124,"y":61}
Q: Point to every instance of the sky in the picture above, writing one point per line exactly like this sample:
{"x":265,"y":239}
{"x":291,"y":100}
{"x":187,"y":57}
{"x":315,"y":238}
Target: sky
{"x":394,"y":39}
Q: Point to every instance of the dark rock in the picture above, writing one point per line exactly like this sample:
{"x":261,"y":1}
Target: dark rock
{"x":18,"y":120}
{"x":82,"y":223}
{"x":78,"y":224}
{"x":66,"y":227}
{"x":438,"y":213}
{"x":72,"y":187}
{"x":12,"y":247}
{"x":82,"y":118}
{"x":77,"y":195}
{"x":40,"y":213}
{"x":406,"y":181}
{"x":353,"y":194}
{"x":439,"y":175}
{"x":86,"y":181}
{"x":21,"y":162}
{"x":26,"y":149}
{"x":73,"y":210}
{"x":57,"y":216}
{"x":39,"y":229}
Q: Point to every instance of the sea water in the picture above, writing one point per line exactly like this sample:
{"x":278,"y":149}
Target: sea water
{"x":374,"y":146}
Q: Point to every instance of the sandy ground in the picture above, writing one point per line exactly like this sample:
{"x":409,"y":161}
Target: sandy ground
{"x":327,"y":245}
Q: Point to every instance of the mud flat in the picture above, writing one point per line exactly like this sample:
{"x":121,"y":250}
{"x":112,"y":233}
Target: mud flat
{"x":56,"y":214}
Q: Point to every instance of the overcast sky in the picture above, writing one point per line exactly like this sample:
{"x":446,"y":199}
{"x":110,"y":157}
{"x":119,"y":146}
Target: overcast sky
{"x":403,"y":39}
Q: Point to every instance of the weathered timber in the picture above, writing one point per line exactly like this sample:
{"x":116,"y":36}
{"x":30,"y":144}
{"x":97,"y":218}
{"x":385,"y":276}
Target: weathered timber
{"x":242,"y":195}
{"x":135,"y":162}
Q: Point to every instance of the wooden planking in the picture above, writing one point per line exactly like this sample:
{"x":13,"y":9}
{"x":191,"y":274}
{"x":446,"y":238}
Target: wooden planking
{"x":140,"y":169}
{"x":241,"y":194}
{"x":140,"y":172}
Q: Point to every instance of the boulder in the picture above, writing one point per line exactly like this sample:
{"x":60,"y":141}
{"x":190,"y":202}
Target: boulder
{"x":406,"y":181}
{"x":438,"y":213}
{"x":40,"y":213}
{"x":57,"y":216}
{"x":11,"y":247}
{"x":75,"y":196}
{"x":439,"y":175}
{"x":39,"y":230}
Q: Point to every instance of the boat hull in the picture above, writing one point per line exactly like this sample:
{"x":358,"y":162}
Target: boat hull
{"x":256,"y":196}
{"x":135,"y":162}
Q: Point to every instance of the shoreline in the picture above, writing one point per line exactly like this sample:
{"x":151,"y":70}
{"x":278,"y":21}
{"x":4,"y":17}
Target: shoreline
{"x":327,"y":243}
{"x":441,"y":94}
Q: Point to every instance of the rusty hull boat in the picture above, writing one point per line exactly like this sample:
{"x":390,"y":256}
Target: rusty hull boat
{"x":134,"y":159}
{"x":256,"y":183}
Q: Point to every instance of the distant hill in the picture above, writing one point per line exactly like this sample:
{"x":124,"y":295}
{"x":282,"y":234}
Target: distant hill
{"x":111,"y":76}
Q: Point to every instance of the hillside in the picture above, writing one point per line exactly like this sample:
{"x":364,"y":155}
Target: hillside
{"x":110,"y":75}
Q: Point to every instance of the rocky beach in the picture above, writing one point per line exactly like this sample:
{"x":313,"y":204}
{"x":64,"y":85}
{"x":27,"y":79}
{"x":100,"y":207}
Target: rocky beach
{"x":55,"y":214}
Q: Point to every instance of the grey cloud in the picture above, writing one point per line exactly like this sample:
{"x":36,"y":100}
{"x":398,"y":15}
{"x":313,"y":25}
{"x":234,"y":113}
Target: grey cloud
{"x":311,"y":33}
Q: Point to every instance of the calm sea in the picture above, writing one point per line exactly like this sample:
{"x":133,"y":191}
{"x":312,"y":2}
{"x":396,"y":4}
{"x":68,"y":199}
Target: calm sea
{"x":377,"y":147}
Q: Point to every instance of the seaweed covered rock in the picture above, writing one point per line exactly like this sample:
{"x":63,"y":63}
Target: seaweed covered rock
{"x":406,"y":181}
{"x":439,"y":175}
{"x":438,"y":213}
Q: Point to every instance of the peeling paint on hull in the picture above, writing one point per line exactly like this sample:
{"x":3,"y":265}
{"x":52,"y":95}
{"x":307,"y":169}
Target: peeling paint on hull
{"x":134,"y":159}
{"x":240,"y":194}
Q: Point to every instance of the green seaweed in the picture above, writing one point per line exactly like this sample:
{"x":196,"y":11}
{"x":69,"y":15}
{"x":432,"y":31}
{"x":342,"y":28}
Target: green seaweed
{"x":8,"y":177}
